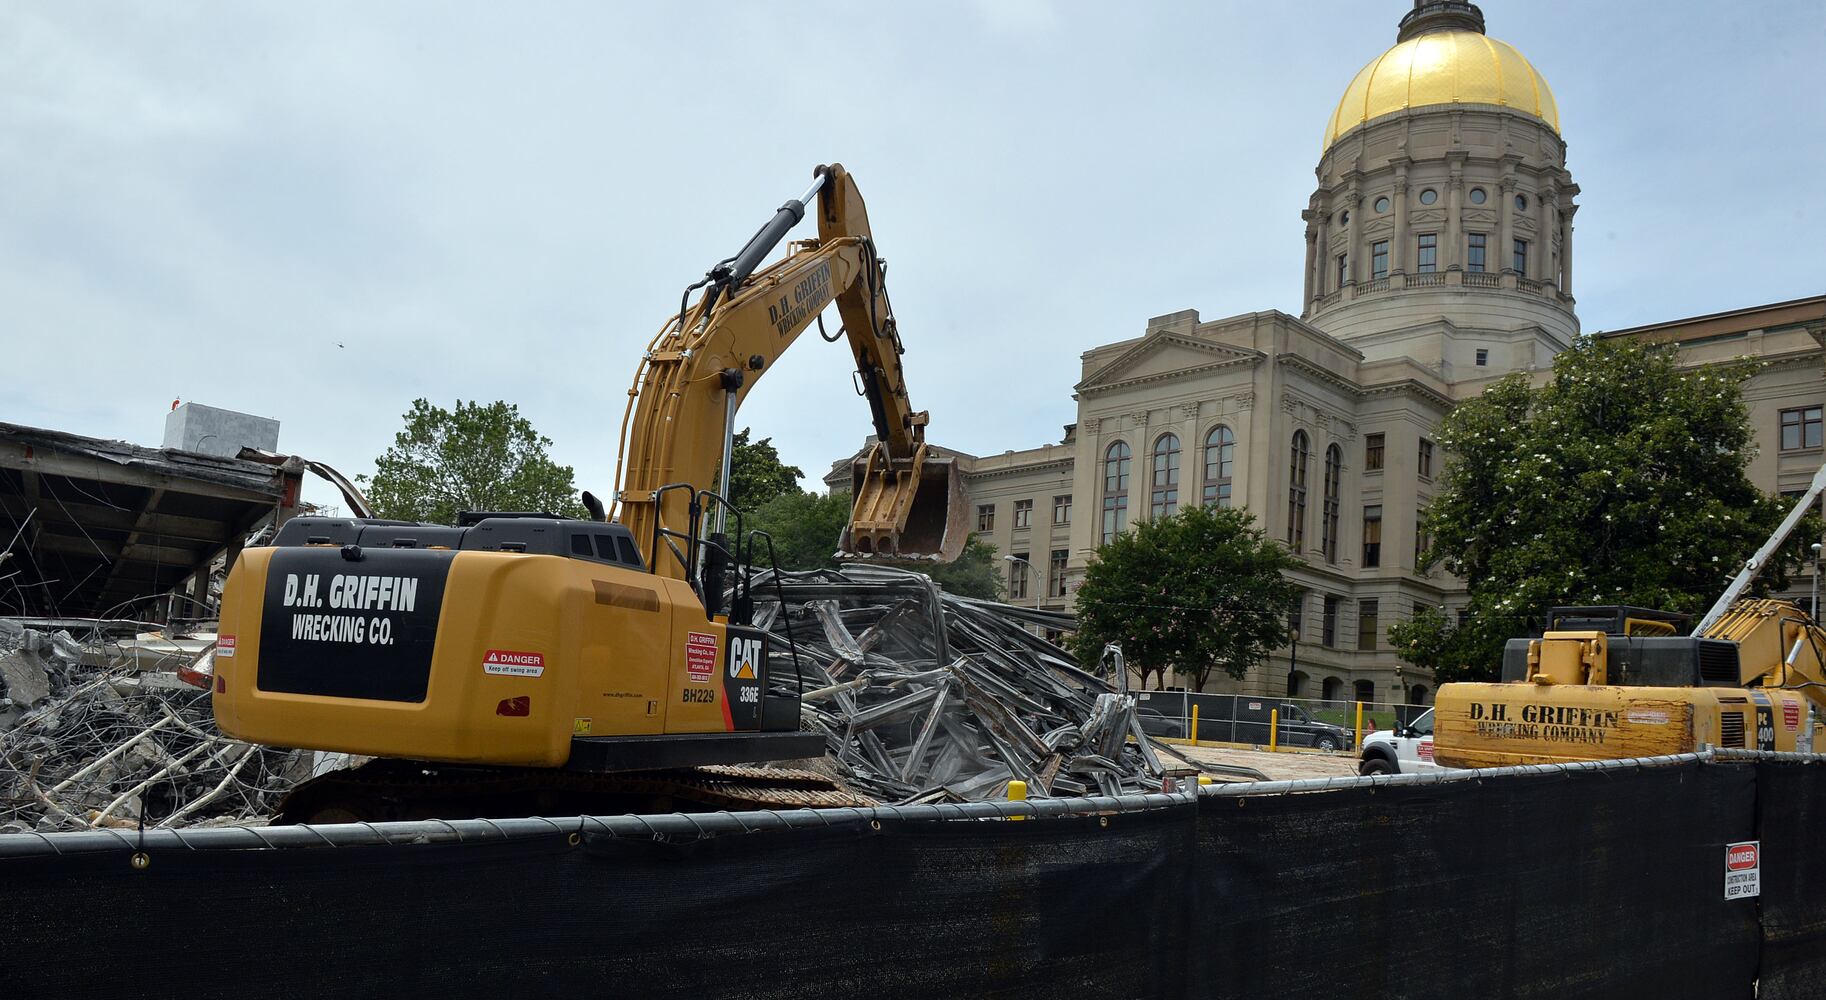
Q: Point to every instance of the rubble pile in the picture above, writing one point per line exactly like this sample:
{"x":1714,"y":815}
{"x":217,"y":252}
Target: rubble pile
{"x":89,"y":737}
{"x":928,"y":697}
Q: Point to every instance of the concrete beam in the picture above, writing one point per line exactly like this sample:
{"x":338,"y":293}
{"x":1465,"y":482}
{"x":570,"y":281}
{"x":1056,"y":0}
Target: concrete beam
{"x":48,"y":462}
{"x":168,"y":526}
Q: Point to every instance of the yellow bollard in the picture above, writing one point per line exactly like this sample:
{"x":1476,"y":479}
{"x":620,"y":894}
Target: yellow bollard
{"x":1195,"y":725}
{"x":1359,"y":726}
{"x":1274,"y":727}
{"x":1017,"y":792}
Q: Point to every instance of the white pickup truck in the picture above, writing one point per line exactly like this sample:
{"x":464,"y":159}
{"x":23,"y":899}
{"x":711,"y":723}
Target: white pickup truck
{"x":1403,"y":750}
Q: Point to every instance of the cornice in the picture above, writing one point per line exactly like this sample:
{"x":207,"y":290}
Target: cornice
{"x":1103,"y":380}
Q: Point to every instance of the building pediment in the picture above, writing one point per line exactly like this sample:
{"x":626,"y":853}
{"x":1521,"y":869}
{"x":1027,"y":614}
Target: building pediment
{"x":1162,"y":356}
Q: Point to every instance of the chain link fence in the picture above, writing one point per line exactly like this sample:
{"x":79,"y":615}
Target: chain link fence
{"x":1287,"y":723}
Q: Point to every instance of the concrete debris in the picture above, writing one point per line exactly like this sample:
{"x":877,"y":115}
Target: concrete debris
{"x":93,"y":735}
{"x":928,"y":697}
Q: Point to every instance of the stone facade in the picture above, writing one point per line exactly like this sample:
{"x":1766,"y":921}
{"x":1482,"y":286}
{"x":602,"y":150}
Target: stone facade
{"x":1438,"y":259}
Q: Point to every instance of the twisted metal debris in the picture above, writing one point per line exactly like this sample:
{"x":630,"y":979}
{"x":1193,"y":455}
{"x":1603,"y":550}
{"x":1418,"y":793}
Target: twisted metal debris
{"x":922,"y":697}
{"x":926,"y":697}
{"x":115,"y":745}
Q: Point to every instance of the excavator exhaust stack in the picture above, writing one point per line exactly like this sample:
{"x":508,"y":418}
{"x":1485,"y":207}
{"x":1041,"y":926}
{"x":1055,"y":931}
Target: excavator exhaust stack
{"x":906,"y":508}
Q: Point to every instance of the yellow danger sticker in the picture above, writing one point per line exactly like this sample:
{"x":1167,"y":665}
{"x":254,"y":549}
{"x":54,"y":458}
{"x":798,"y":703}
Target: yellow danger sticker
{"x":580,"y":727}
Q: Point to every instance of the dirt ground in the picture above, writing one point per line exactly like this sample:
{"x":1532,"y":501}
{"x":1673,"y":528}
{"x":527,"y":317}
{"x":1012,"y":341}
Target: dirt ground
{"x":1276,"y":766}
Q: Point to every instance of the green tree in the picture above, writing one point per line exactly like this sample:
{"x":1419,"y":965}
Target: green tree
{"x":1431,"y":642}
{"x":976,"y":572}
{"x":1620,"y":481}
{"x":1199,"y":591}
{"x":805,"y":528}
{"x":475,"y":457}
{"x":756,"y":474}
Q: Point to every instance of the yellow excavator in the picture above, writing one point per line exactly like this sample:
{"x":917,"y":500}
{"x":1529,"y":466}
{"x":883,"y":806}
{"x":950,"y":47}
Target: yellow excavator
{"x":1603,"y":683}
{"x":520,"y":661}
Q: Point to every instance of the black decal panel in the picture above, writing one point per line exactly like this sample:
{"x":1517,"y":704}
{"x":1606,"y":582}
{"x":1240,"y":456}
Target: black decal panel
{"x":351,"y":629}
{"x":745,"y":677}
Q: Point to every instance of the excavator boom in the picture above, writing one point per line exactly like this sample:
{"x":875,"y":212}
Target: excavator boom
{"x":705,"y":361}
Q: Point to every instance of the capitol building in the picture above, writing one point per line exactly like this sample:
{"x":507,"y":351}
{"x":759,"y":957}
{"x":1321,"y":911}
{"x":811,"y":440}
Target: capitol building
{"x":1439,"y":257}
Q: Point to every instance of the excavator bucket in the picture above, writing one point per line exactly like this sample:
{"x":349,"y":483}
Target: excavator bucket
{"x":906,"y":508}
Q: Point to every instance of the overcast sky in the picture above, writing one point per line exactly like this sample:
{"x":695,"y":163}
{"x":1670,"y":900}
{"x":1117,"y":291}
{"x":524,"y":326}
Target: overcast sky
{"x":317,"y":212}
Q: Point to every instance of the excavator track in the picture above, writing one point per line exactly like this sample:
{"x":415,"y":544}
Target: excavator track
{"x":385,"y":790}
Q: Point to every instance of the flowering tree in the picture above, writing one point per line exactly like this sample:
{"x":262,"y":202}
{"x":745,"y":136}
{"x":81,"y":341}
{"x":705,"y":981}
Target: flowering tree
{"x":1195,"y":592}
{"x":1620,"y":481}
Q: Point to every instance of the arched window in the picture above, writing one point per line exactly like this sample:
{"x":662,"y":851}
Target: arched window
{"x":1220,"y":462}
{"x":1328,"y":516}
{"x":1296,"y":492}
{"x":1366,"y":691}
{"x":1418,"y":696}
{"x":1165,"y":497}
{"x":1115,"y":491}
{"x":1331,"y":688}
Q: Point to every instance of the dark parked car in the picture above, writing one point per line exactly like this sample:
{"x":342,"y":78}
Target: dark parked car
{"x":1155,"y":724}
{"x":1243,"y":719}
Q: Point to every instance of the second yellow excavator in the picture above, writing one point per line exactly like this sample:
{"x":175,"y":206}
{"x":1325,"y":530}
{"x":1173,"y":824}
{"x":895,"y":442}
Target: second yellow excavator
{"x":1603,"y":683}
{"x":514,"y":661}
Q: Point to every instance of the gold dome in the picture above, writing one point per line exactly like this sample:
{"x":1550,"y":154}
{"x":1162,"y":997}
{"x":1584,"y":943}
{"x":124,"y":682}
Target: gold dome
{"x":1442,"y":68}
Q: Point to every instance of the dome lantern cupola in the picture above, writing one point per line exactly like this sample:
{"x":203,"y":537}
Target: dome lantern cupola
{"x":1440,"y":15}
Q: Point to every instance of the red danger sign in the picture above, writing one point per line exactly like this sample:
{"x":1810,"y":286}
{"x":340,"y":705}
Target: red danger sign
{"x":513,"y":663}
{"x":225,"y":647}
{"x":700,"y":656}
{"x":1741,"y":857}
{"x":1791,"y":715}
{"x":1743,"y":870}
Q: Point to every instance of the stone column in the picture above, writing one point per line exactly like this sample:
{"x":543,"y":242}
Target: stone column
{"x":1322,"y":252}
{"x":1398,"y":244}
{"x":1191,"y":457}
{"x":1543,"y":253}
{"x":1505,"y":227}
{"x":1566,"y":214}
{"x":1141,"y":465}
{"x":1353,"y":205}
{"x":1311,"y":252}
{"x":1455,"y":229}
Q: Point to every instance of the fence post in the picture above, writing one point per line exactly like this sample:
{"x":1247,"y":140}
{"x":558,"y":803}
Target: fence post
{"x":1017,"y":792}
{"x":1194,"y":725}
{"x":1359,"y":742}
{"x":1274,"y":727}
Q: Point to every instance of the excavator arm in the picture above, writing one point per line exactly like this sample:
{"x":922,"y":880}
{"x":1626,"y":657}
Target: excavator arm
{"x":1778,"y":645}
{"x":708,"y":357}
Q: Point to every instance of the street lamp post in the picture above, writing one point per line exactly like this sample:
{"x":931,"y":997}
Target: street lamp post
{"x":1032,"y":574}
{"x":1813,"y":603}
{"x":1293,"y":661}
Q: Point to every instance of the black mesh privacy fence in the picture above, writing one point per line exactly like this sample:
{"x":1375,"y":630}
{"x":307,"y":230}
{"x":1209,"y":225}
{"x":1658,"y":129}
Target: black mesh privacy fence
{"x":1790,"y":811}
{"x":1583,"y":882}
